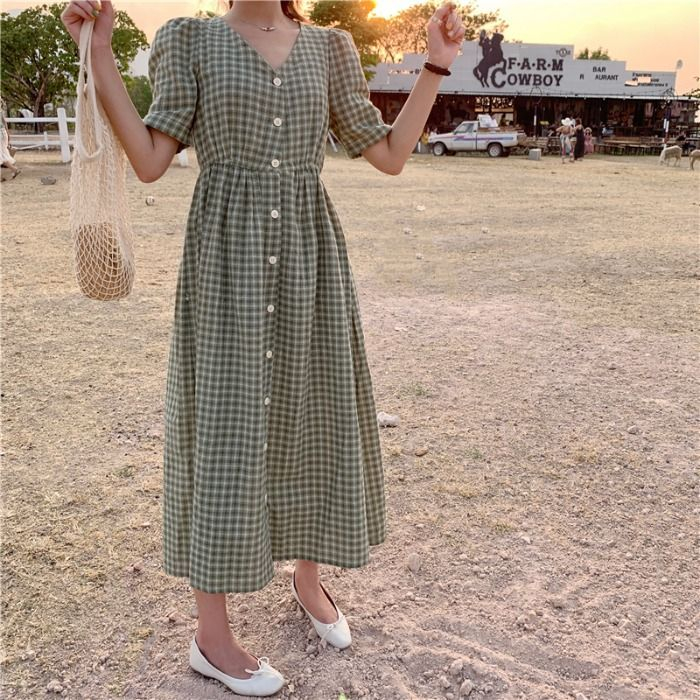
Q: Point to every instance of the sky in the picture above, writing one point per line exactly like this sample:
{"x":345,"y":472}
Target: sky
{"x":648,"y":34}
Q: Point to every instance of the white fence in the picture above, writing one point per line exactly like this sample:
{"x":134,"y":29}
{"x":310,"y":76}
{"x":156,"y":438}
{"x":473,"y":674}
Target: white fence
{"x":63,"y":139}
{"x":49,"y":139}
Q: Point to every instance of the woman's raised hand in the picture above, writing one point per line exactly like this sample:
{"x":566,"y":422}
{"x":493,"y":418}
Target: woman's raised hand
{"x":101,"y":13}
{"x":445,"y":35}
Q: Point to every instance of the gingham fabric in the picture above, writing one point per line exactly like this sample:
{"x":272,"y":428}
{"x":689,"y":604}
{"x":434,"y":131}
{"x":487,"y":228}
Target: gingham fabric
{"x":271,"y":441}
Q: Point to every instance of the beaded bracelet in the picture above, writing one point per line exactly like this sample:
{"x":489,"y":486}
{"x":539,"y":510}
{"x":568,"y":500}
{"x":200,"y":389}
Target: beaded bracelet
{"x":436,"y":69}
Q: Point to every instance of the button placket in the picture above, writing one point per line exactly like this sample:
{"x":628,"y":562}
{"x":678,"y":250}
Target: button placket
{"x":273,"y":244}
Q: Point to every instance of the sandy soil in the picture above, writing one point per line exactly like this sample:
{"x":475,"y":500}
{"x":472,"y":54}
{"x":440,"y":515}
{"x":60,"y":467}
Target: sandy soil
{"x":531,"y":327}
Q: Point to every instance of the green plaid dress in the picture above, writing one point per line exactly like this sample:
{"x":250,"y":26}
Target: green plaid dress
{"x":271,"y":441}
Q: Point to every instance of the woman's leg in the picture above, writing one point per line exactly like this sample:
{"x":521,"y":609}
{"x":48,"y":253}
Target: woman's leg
{"x":215,"y":639}
{"x":310,"y":593}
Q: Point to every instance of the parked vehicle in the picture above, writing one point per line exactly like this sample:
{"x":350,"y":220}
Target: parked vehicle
{"x":468,"y":136}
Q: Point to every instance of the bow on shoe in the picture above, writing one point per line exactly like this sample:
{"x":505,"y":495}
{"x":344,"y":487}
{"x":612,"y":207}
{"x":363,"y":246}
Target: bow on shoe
{"x":331,"y":626}
{"x":264,"y":667}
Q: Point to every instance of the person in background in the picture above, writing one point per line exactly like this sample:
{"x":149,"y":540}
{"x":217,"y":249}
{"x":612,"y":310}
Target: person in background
{"x":5,"y":157}
{"x":423,"y":144}
{"x":589,"y":146}
{"x":580,"y":143}
{"x":565,"y":131}
{"x":682,"y":141}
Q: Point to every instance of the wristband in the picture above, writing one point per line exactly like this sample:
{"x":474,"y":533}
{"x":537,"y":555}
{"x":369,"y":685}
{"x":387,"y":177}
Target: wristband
{"x":436,"y":69}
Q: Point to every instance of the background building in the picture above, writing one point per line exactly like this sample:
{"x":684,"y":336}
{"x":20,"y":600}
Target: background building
{"x":535,"y":85}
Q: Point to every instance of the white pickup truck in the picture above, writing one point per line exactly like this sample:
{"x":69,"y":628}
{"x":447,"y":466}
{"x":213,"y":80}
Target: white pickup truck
{"x":468,"y":136}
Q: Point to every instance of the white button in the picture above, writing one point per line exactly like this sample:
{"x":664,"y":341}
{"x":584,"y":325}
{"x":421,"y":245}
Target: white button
{"x":270,"y":308}
{"x":277,"y":121}
{"x":272,"y":259}
{"x":264,"y":446}
{"x":277,"y":82}
{"x":275,"y":163}
{"x":267,"y":400}
{"x":268,"y":354}
{"x":274,"y":214}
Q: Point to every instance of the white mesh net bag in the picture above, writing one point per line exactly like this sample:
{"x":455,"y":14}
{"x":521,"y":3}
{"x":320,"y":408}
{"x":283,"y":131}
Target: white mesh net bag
{"x":103,"y":250}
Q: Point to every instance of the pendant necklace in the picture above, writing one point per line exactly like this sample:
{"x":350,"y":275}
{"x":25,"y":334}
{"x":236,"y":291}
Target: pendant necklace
{"x":261,"y":28}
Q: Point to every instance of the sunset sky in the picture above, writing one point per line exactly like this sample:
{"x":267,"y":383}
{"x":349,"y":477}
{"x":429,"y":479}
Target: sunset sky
{"x":648,"y":34}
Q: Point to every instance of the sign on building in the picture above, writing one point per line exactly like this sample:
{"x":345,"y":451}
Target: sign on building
{"x":491,"y":66}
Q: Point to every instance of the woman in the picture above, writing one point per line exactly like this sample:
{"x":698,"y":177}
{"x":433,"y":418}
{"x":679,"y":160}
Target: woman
{"x":276,"y":454}
{"x":588,"y":140}
{"x":580,"y":140}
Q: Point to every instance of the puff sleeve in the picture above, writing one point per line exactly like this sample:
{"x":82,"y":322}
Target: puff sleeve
{"x":172,"y":74}
{"x":352,"y":117}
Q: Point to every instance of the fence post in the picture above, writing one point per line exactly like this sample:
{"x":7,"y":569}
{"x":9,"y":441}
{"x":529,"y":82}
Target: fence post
{"x":63,"y":135}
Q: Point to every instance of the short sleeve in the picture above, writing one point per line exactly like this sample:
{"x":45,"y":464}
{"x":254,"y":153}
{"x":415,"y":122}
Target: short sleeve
{"x":353,"y":118}
{"x":171,"y":72}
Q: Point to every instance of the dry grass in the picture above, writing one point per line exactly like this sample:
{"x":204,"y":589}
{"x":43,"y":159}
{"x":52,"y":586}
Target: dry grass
{"x":553,"y":308}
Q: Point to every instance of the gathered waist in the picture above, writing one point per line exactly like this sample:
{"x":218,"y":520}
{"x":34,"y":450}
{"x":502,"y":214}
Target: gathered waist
{"x":272,"y":166}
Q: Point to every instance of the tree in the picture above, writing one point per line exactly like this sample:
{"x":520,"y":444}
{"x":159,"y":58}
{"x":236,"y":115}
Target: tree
{"x":694,"y":93}
{"x":38,"y":58}
{"x":405,"y":31}
{"x":600,"y":54}
{"x":352,"y":15}
{"x":139,"y":89}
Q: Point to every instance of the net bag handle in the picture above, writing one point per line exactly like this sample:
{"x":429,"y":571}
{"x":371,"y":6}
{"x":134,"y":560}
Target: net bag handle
{"x":85,"y":64}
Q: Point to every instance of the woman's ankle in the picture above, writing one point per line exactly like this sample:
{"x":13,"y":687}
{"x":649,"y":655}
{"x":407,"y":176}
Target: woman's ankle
{"x":306,"y":569}
{"x":207,"y":637}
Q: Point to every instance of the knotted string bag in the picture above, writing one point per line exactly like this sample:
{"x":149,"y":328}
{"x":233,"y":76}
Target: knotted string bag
{"x":102,"y":238}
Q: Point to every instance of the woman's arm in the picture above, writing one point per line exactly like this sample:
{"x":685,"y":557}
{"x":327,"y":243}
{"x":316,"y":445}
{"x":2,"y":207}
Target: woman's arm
{"x":444,"y":39}
{"x":149,"y":151}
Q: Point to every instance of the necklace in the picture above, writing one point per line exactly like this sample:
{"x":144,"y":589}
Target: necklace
{"x":260,"y":27}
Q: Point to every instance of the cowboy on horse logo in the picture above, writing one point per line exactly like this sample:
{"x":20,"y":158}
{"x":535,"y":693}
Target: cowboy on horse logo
{"x":492,"y":56}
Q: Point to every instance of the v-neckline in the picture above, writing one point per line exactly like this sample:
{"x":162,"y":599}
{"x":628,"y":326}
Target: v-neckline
{"x":284,"y":63}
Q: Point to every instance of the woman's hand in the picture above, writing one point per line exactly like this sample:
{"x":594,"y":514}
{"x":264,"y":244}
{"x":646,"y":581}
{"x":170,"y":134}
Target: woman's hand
{"x":445,"y":35}
{"x":101,"y":13}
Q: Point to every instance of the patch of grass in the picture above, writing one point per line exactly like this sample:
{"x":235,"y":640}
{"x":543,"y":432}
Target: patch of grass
{"x":585,"y":454}
{"x":476,"y":454}
{"x":96,"y":576}
{"x":463,"y":490}
{"x":416,"y":389}
{"x":501,"y":527}
{"x":116,"y":689}
{"x":126,"y":471}
{"x":142,"y":632}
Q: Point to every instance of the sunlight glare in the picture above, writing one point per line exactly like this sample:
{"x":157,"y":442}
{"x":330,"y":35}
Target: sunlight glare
{"x":386,"y":8}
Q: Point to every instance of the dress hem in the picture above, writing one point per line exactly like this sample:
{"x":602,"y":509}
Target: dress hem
{"x":289,"y":556}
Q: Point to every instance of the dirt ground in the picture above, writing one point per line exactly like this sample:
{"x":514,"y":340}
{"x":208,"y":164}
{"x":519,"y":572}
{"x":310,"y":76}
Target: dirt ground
{"x":531,"y":323}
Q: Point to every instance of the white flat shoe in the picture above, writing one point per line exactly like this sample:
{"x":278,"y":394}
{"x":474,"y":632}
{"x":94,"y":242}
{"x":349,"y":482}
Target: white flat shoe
{"x":266,"y":680}
{"x":336,"y":633}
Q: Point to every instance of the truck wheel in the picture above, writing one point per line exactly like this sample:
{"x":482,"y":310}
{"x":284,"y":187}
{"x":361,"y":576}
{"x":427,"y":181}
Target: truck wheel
{"x":495,"y":150}
{"x":439,"y":149}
